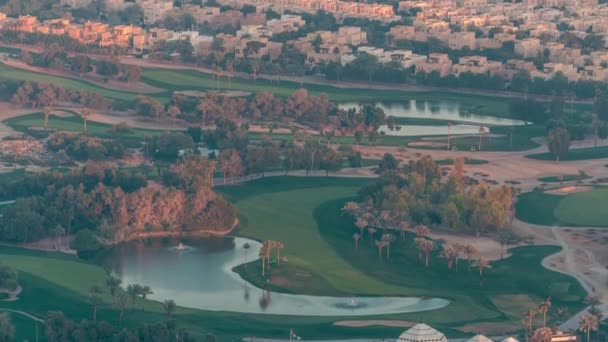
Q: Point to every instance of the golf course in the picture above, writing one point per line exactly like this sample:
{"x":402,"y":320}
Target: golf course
{"x":565,"y":209}
{"x":304,"y":213}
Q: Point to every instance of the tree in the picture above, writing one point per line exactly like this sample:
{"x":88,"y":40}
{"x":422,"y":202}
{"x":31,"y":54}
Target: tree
{"x":387,"y":239}
{"x":95,"y":299}
{"x":133,"y":290}
{"x":145,"y":290}
{"x":173,"y":113}
{"x":113,"y":285}
{"x":356,"y":237}
{"x":132,"y":73}
{"x":542,"y":335}
{"x":481,"y":264}
{"x":527,"y":319}
{"x":587,"y":324}
{"x":264,"y":250}
{"x":425,"y":246}
{"x":380,"y":244}
{"x":482,"y":131}
{"x":470,"y":251}
{"x":7,"y":329}
{"x":86,"y":241}
{"x":119,"y":302}
{"x":279,"y":246}
{"x":246,"y":247}
{"x":449,"y":253}
{"x":370,"y":232}
{"x":46,"y":97}
{"x":229,"y":72}
{"x":169,"y":306}
{"x":422,"y":230}
{"x":230,"y":163}
{"x":85,"y":112}
{"x":544,"y":308}
{"x":558,"y":141}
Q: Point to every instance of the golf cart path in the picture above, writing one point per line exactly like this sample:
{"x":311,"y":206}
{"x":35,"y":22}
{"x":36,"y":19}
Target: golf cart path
{"x":23,"y":313}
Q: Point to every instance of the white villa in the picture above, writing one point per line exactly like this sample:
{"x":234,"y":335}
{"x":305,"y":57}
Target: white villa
{"x":423,"y":333}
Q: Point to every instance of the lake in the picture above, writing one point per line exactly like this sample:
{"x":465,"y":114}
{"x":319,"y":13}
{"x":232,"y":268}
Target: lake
{"x":465,"y":120}
{"x":200,"y":276}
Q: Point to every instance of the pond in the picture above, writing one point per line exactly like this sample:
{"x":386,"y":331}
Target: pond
{"x":197,"y":273}
{"x":465,"y":120}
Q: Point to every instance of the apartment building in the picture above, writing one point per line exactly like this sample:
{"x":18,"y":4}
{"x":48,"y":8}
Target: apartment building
{"x":476,"y":65}
{"x":439,"y":62}
{"x":527,"y":48}
{"x":155,"y":10}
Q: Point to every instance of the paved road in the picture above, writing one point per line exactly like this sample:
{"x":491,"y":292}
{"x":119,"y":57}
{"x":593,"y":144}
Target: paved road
{"x":23,"y":313}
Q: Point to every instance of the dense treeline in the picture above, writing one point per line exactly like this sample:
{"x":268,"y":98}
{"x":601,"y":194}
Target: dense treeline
{"x":59,"y":328}
{"x":418,"y":193}
{"x":83,"y":147}
{"x":115,"y":204}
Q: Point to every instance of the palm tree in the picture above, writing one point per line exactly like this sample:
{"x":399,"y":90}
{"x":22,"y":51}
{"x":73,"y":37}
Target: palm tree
{"x":356,"y":237}
{"x":449,"y":253}
{"x":95,"y":298}
{"x":371,"y":231}
{"x":246,"y":247}
{"x":169,"y":306}
{"x":544,"y":308}
{"x":361,"y":224}
{"x":279,"y":245}
{"x":449,"y":133}
{"x":470,"y":251}
{"x":481,"y":132}
{"x":403,"y":227}
{"x":173,"y":111}
{"x":542,"y":335}
{"x":425,"y":246}
{"x":119,"y":302}
{"x":588,"y":323}
{"x":380,"y":244}
{"x":113,"y":284}
{"x":388,"y":238}
{"x":229,"y":72}
{"x":85,"y":112}
{"x":133,"y":291}
{"x":262,"y":255}
{"x":144,"y":292}
{"x":481,"y":264}
{"x":458,"y":250}
{"x":422,"y":230}
{"x":527,"y":319}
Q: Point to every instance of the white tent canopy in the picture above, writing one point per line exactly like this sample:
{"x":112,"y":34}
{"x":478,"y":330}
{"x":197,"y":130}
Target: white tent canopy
{"x":510,"y":339}
{"x":422,"y":333}
{"x":479,"y":338}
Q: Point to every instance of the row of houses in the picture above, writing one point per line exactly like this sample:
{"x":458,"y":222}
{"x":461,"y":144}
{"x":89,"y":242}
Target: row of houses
{"x":337,"y":7}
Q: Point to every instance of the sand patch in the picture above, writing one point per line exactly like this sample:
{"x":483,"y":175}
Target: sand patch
{"x":386,"y":323}
{"x":227,"y":93}
{"x":427,"y":144}
{"x":566,"y":190}
{"x":12,"y":295}
{"x":486,"y":246}
{"x":489,"y":328}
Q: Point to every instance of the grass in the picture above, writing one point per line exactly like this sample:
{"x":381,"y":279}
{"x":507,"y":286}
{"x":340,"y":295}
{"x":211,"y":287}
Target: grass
{"x":323,"y":247}
{"x":564,"y":178}
{"x":9,"y":73}
{"x":305,"y":214}
{"x":578,"y":209}
{"x":575,"y":154}
{"x":74,"y":123}
{"x":467,"y":161}
{"x":193,"y":80}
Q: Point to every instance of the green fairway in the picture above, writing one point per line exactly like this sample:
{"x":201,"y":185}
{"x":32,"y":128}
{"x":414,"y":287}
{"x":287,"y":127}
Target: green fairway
{"x":305,"y":214}
{"x":563,"y":178}
{"x":577,"y":209}
{"x":194,"y":80}
{"x":74,"y":123}
{"x":9,"y":73}
{"x":575,"y":154}
{"x":322,"y":246}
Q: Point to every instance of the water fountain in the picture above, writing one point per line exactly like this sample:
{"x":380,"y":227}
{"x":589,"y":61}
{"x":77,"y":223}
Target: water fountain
{"x":181,"y":248}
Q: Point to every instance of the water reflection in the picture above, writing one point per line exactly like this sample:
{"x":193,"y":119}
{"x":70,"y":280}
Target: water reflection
{"x":439,"y":110}
{"x":203,"y":278}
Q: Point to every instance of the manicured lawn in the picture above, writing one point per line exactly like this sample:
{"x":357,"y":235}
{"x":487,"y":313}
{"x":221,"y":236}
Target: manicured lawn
{"x":577,"y":209}
{"x":563,"y":178}
{"x":322,"y":246}
{"x":522,"y":139}
{"x":584,"y":208}
{"x":305,"y":214}
{"x":74,"y":123}
{"x":9,"y":73}
{"x":194,"y":80}
{"x":575,"y":154}
{"x":467,"y":161}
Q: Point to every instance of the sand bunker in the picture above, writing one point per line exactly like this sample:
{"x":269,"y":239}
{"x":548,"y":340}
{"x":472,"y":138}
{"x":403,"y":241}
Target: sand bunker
{"x":227,"y":93}
{"x":386,"y":323}
{"x":566,"y":190}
